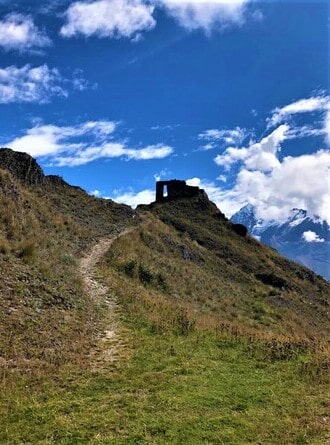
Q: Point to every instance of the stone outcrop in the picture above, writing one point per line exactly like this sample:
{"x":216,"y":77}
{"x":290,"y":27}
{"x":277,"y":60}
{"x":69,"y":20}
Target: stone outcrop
{"x":21,"y":166}
{"x":25,"y":168}
{"x":240,"y":229}
{"x":56,"y":181}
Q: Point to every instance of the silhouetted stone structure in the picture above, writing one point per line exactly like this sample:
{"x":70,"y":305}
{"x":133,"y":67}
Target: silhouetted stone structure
{"x":175,"y":189}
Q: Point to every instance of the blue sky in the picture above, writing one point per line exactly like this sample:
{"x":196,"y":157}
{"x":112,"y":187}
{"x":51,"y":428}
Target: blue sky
{"x":229,"y":95}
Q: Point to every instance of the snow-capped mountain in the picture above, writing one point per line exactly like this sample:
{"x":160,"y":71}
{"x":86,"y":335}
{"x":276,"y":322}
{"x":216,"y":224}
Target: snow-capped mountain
{"x":302,"y":237}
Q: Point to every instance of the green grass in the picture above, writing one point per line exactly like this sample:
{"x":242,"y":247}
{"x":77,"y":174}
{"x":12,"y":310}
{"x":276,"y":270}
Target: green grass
{"x":203,"y":388}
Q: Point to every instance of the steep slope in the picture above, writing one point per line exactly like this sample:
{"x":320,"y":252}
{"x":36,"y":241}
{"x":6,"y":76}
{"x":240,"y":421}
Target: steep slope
{"x":44,"y":226}
{"x":196,"y":258}
{"x":302,"y":237}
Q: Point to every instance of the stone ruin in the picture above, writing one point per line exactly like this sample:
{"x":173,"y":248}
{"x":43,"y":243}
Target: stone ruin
{"x":174,"y":189}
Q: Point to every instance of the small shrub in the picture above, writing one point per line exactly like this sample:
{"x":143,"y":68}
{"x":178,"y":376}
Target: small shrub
{"x":130,"y":267}
{"x":145,"y":275}
{"x":272,"y":280}
{"x":68,"y":259}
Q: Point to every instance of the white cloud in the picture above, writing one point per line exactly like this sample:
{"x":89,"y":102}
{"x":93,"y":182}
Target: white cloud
{"x":37,"y":84}
{"x":18,"y":32}
{"x":79,"y":83}
{"x":304,"y":131}
{"x":275,"y":185}
{"x":207,"y":147}
{"x":80,"y":144}
{"x":312,"y":237}
{"x":205,"y":14}
{"x":95,"y":193}
{"x":164,"y":127}
{"x":225,"y":137}
{"x":257,"y":156}
{"x":129,"y":18}
{"x":30,"y":84}
{"x":134,"y":199}
{"x":165,"y":173}
{"x":296,"y":182}
{"x":108,"y":18}
{"x":312,"y":104}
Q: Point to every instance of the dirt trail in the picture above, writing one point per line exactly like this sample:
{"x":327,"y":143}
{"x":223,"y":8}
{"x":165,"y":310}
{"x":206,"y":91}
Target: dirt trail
{"x":111,"y":342}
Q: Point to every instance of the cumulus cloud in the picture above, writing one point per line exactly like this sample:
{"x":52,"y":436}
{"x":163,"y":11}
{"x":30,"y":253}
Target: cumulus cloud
{"x":130,"y":18}
{"x":298,"y":182}
{"x":37,"y":84}
{"x":108,"y":18}
{"x":294,"y":182}
{"x":276,"y":184}
{"x":260,"y":155}
{"x":18,"y":32}
{"x":205,"y":14}
{"x":312,"y":237}
{"x":81,"y":144}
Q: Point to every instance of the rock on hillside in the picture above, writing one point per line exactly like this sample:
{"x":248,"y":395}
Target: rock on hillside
{"x":21,"y":166}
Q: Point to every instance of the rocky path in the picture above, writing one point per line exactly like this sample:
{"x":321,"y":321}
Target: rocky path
{"x":111,"y":342}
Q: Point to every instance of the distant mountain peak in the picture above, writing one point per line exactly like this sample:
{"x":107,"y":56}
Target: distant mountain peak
{"x":288,"y":236}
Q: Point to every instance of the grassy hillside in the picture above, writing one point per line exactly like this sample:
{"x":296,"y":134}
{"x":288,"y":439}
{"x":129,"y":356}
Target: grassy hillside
{"x":226,"y":341}
{"x":229,"y":278}
{"x":44,"y":313}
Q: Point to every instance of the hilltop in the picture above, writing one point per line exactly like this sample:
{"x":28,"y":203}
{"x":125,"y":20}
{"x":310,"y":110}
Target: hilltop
{"x":198,"y":309}
{"x":215,"y":268}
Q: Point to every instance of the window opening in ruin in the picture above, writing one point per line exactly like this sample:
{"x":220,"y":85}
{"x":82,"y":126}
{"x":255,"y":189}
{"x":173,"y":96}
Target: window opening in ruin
{"x":165,"y":192}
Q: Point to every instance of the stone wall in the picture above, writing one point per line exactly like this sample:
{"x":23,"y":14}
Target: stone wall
{"x":175,"y":189}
